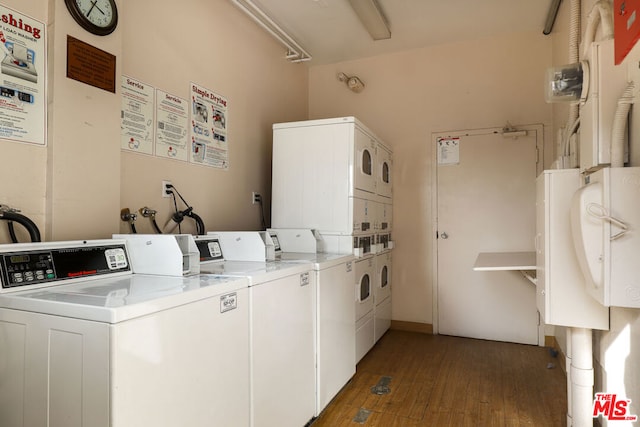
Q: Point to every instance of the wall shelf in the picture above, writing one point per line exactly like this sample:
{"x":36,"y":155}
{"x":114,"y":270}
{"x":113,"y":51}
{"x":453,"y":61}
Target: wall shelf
{"x":525,"y":262}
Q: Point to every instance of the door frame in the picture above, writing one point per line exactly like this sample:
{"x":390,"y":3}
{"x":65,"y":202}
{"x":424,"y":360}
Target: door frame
{"x":537,"y":129}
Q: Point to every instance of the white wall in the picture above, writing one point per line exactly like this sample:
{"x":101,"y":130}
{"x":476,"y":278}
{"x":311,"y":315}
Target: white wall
{"x":213,"y":44}
{"x":410,"y":95}
{"x":76,"y":186}
{"x":23,"y":166}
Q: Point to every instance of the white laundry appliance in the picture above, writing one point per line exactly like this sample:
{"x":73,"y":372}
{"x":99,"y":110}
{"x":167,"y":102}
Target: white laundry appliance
{"x":335,"y":310}
{"x":382,"y":294}
{"x":335,"y":176}
{"x":365,"y":321}
{"x":87,"y":343}
{"x":282,"y":322}
{"x":328,"y":176}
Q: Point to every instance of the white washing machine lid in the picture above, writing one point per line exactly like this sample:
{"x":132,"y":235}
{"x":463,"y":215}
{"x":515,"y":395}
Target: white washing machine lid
{"x":257,"y":272}
{"x":113,"y":300}
{"x":320,"y":261}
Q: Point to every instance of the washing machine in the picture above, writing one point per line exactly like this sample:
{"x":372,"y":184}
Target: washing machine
{"x":85,"y":342}
{"x":281,"y":326}
{"x":335,"y":311}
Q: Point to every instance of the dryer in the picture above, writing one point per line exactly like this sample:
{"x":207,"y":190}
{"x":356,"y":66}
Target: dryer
{"x":335,"y":310}
{"x":382,"y":294}
{"x":282,"y":321}
{"x":364,"y":278}
{"x":87,"y":343}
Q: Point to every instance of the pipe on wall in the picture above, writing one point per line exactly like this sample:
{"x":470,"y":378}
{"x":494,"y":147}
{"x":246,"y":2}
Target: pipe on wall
{"x":581,"y":377}
{"x":619,"y":126}
{"x":551,"y":17}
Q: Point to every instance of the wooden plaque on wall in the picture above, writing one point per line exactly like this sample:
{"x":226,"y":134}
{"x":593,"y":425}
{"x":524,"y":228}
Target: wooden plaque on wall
{"x":90,"y":65}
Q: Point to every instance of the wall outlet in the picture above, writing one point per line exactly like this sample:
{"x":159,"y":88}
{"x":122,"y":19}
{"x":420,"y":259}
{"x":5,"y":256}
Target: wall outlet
{"x":255,"y":198}
{"x":166,"y":188}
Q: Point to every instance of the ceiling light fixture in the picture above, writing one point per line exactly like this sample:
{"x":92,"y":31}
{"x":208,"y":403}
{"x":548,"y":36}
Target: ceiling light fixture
{"x":295,"y":52}
{"x":372,"y":18}
{"x":352,"y":82}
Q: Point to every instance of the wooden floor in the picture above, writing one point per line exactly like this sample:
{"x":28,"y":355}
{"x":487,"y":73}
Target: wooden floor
{"x":438,"y":380}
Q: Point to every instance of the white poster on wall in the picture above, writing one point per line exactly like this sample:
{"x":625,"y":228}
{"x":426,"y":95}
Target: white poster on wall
{"x":23,"y":100}
{"x":448,"y":151}
{"x":136,"y":116}
{"x":172,"y":116}
{"x":209,"y":121}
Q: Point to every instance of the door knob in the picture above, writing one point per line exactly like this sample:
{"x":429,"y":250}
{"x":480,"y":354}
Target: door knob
{"x":444,"y":235}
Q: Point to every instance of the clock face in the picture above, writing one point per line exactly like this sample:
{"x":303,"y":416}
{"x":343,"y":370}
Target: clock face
{"x":97,"y":16}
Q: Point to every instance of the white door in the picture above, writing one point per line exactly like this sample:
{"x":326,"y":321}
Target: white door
{"x":485,"y":203}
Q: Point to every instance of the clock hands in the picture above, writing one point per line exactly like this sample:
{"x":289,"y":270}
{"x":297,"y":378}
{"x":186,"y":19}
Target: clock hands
{"x":94,"y":4}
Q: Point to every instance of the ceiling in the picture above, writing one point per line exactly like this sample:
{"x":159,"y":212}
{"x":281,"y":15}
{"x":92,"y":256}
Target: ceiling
{"x":331,"y":32}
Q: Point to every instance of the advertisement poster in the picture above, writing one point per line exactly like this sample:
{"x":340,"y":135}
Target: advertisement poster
{"x":209,"y":113}
{"x":137,"y":116}
{"x":172,"y":116}
{"x":23,"y":100}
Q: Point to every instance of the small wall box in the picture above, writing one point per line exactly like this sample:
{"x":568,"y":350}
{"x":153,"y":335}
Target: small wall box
{"x":626,"y":23}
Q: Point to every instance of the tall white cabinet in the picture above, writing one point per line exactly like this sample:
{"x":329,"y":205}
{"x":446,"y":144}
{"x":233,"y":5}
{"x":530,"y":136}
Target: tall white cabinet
{"x":335,"y":176}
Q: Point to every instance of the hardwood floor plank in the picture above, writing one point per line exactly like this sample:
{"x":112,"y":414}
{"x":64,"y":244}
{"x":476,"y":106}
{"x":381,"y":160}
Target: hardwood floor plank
{"x":444,"y":381}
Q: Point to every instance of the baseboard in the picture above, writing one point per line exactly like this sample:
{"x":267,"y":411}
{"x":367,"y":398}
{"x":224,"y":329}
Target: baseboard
{"x":551,"y":342}
{"x":401,"y":325}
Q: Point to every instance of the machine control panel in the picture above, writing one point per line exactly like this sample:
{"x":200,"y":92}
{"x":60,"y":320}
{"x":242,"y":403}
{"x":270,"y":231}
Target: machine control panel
{"x":210,"y":249}
{"x":41,"y":266}
{"x":276,"y":242}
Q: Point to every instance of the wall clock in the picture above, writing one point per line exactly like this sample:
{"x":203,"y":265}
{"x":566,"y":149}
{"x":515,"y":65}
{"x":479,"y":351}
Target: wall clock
{"x":99,"y":17}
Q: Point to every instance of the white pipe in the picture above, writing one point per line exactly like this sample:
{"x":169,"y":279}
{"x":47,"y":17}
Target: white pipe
{"x":569,"y":384}
{"x":601,"y":13}
{"x":296,"y":52}
{"x":581,"y":377}
{"x":619,"y":126}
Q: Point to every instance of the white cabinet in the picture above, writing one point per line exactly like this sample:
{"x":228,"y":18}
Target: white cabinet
{"x":561,"y":295}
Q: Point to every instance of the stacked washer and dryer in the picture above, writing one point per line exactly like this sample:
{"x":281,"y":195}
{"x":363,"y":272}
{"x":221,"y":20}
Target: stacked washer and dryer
{"x":334,"y":176}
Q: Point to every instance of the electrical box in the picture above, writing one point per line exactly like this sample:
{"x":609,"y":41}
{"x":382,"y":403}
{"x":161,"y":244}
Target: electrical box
{"x":626,"y":27}
{"x":561,"y":296}
{"x":606,"y":84}
{"x":605,"y":222}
